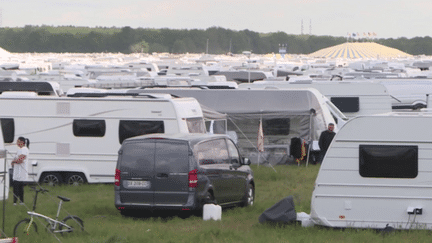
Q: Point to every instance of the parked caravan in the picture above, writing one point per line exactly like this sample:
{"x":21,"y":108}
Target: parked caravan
{"x":285,"y":114}
{"x":377,"y":173}
{"x":75,"y":139}
{"x":408,"y":93}
{"x":350,"y":97}
{"x":42,"y":88}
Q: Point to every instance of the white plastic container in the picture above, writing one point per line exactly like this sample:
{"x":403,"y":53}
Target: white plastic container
{"x":211,"y":211}
{"x":305,"y":219}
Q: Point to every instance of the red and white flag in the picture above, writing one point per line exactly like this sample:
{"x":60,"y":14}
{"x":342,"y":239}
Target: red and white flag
{"x":260,"y":142}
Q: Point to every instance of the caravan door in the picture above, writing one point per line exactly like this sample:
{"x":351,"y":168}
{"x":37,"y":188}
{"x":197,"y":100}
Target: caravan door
{"x":4,"y":175}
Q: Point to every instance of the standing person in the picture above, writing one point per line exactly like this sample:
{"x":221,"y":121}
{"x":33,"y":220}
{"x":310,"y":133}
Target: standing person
{"x":19,"y":164}
{"x":325,"y":139}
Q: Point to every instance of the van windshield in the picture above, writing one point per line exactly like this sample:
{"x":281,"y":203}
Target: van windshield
{"x":143,"y":158}
{"x":138,"y":157}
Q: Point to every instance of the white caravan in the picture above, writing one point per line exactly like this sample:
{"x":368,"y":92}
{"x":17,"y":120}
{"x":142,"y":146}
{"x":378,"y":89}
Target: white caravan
{"x":377,"y":173}
{"x":76,"y":139}
{"x":408,"y":93}
{"x":350,"y":97}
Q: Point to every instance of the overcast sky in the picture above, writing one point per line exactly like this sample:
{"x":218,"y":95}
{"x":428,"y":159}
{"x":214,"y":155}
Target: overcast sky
{"x":387,"y":18}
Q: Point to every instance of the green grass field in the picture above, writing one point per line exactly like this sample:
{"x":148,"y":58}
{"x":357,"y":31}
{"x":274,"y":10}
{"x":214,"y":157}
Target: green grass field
{"x":104,"y":224}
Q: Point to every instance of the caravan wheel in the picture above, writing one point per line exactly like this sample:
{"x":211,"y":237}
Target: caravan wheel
{"x":75,"y":179}
{"x":51,"y":179}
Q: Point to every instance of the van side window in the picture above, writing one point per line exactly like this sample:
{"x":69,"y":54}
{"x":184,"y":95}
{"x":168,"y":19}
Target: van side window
{"x":211,"y":152}
{"x":233,"y":152}
{"x":89,"y":128}
{"x":132,"y":128}
{"x":172,"y":157}
{"x":388,"y":161}
{"x":8,"y":129}
{"x":196,"y":125}
{"x":346,"y":104}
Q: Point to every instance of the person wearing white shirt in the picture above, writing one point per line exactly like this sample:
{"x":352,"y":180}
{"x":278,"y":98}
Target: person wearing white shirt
{"x":19,"y":164}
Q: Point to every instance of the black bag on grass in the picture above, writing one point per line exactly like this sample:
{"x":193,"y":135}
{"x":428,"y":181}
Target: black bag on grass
{"x":281,"y":212}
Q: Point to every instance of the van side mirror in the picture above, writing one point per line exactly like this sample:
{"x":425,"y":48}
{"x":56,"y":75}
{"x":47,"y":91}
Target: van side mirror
{"x":246,"y":161}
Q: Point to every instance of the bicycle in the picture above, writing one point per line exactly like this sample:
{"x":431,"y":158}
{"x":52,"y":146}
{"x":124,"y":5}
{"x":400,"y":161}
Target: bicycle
{"x":27,"y":227}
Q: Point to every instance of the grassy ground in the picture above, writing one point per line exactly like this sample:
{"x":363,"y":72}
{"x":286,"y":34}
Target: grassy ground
{"x":103,"y":223}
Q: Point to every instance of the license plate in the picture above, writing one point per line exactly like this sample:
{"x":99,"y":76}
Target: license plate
{"x":139,"y":184}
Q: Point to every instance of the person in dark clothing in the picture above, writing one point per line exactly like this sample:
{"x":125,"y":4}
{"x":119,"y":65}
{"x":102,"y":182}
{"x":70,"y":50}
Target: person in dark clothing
{"x":325,"y":139}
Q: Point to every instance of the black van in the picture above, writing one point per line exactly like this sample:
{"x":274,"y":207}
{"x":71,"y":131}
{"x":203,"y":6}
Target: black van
{"x":181,"y":172}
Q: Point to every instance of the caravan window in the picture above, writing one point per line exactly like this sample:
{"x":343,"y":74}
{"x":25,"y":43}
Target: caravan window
{"x":89,"y":128}
{"x":211,"y":152}
{"x":346,"y":104}
{"x":388,"y":161}
{"x":196,"y":125}
{"x":8,"y":129}
{"x":277,"y":126}
{"x":132,"y":128}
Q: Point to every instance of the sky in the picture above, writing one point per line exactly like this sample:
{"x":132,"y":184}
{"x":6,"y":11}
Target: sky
{"x":387,"y":18}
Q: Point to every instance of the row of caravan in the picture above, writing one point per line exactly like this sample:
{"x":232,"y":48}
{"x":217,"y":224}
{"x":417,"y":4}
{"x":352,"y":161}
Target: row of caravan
{"x":75,"y":139}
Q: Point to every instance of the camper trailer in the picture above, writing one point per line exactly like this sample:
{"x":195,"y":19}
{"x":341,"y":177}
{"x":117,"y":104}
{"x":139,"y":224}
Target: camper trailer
{"x":352,"y":98}
{"x":285,"y":114}
{"x":377,"y":174}
{"x":75,"y":139}
{"x":408,"y":93}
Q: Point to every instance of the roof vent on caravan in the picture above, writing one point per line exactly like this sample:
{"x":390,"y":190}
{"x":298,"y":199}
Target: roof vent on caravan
{"x":300,"y":80}
{"x":95,"y":92}
{"x":154,"y":96}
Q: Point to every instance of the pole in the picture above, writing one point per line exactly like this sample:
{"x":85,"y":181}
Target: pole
{"x":207,"y":47}
{"x":259,"y":155}
{"x":4,"y":189}
{"x":249,"y":70}
{"x":312,"y":112}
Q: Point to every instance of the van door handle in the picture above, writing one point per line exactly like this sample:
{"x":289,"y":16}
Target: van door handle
{"x":162,"y":175}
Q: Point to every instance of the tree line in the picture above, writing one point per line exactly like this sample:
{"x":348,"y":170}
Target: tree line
{"x":214,"y":40}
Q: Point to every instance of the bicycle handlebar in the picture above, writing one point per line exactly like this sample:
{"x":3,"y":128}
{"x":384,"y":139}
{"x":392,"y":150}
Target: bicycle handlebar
{"x":39,"y":190}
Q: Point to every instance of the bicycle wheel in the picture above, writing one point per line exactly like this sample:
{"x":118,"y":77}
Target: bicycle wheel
{"x":74,"y":222}
{"x":23,"y":229}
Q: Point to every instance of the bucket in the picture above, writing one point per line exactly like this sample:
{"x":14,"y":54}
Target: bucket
{"x":305,"y":219}
{"x":211,"y":211}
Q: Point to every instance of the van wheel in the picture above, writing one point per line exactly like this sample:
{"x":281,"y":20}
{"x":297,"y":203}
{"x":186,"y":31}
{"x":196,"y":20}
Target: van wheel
{"x":249,"y":196}
{"x":75,"y":179}
{"x":51,"y":179}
